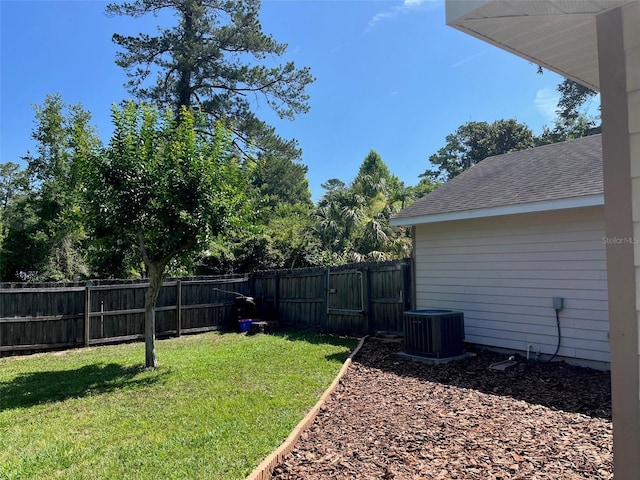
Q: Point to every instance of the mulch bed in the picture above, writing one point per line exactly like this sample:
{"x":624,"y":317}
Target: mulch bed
{"x":392,"y":418}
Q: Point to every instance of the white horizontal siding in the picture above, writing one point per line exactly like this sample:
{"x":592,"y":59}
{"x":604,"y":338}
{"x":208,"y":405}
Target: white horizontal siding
{"x":503,"y":272}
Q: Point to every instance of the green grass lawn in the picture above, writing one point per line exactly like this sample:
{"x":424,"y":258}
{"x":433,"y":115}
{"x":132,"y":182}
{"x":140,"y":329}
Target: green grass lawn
{"x":216,"y":405}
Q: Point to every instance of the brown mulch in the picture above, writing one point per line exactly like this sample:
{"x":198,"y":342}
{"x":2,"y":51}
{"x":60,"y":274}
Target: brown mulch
{"x":392,"y":418}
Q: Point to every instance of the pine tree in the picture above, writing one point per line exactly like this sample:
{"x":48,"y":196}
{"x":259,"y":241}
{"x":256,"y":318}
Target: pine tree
{"x":216,"y":59}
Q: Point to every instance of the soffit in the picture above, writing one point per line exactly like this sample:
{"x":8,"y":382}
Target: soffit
{"x":557,"y":34}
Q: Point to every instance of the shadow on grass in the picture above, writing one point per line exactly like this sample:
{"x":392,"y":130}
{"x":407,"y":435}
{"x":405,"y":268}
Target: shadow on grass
{"x":54,"y":386}
{"x":316,"y":338}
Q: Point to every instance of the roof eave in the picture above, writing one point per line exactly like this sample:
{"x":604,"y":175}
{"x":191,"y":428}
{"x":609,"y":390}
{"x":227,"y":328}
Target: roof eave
{"x":532,"y":207}
{"x":555,"y":34}
{"x":541,"y":62}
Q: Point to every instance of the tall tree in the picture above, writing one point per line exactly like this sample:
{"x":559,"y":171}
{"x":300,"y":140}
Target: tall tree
{"x":580,"y":126}
{"x":290,"y":230}
{"x":373,"y":177}
{"x":13,"y":182}
{"x":13,"y":190}
{"x":282,"y":199}
{"x":352,"y":222}
{"x":573,"y":96}
{"x":280,"y":236}
{"x":50,"y":242}
{"x":166,"y":187}
{"x":24,"y":246}
{"x":407,"y":195}
{"x":475,"y":141}
{"x":572,"y":118}
{"x":218,"y":59}
{"x":280,"y":180}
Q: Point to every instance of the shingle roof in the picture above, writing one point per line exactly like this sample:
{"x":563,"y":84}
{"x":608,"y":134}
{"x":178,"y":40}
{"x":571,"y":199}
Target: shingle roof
{"x":552,"y":172}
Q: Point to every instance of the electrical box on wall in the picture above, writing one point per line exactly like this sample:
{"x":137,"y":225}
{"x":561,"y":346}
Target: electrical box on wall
{"x":558,"y":303}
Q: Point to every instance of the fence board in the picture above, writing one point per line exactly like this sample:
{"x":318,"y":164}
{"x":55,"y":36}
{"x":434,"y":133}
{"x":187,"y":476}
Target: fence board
{"x":38,"y":317}
{"x":355,"y":299}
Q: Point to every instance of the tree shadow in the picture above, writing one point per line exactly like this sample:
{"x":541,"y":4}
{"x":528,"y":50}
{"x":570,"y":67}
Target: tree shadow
{"x":314,"y":337}
{"x":338,"y":357}
{"x":35,"y":388}
{"x":556,"y":385}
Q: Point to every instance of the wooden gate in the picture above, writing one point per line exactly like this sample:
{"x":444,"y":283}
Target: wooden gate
{"x":358,"y":299}
{"x":389,"y":297}
{"x":346,"y":301}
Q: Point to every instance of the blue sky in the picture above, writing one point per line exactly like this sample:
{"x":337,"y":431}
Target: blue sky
{"x":390,"y":76}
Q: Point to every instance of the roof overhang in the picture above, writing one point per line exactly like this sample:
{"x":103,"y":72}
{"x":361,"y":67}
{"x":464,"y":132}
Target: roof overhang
{"x":559,"y":35}
{"x":533,"y":207}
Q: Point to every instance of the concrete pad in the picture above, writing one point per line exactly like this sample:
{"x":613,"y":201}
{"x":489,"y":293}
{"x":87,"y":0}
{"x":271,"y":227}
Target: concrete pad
{"x":433,"y":361}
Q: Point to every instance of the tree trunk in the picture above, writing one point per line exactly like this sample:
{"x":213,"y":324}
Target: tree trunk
{"x":155,"y":283}
{"x":186,"y":64}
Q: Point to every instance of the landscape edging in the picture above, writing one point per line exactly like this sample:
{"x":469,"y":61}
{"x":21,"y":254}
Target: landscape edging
{"x":265,"y":469}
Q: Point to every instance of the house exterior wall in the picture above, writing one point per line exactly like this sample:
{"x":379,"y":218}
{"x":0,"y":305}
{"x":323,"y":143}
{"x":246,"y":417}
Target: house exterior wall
{"x":503,"y":272}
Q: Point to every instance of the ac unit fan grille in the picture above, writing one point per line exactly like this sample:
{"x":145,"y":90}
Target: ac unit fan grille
{"x":434,"y":333}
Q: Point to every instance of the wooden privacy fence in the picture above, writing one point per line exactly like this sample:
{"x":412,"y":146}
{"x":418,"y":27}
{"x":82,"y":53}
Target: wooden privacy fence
{"x":354,"y":299}
{"x":35,"y":317}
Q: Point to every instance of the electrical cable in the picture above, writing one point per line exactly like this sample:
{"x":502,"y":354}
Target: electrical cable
{"x":559,"y":336}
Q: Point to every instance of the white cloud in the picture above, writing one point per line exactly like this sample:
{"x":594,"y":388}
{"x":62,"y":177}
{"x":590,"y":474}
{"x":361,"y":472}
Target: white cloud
{"x":468,"y":59}
{"x":381,"y":16}
{"x":406,"y":7}
{"x":546,"y":102}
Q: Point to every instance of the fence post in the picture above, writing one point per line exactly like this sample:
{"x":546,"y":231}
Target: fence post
{"x":324,"y":318}
{"x":178,"y":307}
{"x":276,"y":299}
{"x":368,"y":306}
{"x":408,"y":286}
{"x":87,"y":315}
{"x":1,"y":323}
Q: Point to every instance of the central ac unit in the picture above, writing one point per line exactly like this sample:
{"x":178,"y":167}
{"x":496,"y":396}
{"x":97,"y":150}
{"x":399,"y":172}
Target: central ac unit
{"x":434,"y":333}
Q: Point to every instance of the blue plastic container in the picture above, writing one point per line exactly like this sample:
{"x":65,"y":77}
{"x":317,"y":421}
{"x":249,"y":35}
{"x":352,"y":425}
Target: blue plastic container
{"x":245,"y":324}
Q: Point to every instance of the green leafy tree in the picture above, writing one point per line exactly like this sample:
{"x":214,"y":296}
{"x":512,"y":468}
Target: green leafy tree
{"x":13,"y":191}
{"x":285,"y":240}
{"x":352,"y":222}
{"x":573,"y":97}
{"x":50,"y":242}
{"x":24,"y":246}
{"x":290,"y":229}
{"x":564,"y":130}
{"x":407,"y":195}
{"x":279,"y":191}
{"x":110,"y":256}
{"x":475,"y":141}
{"x":338,"y":214}
{"x":218,"y":59}
{"x":13,"y":182}
{"x":373,"y":177}
{"x":166,"y":187}
{"x":279,"y":180}
{"x":572,"y":120}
